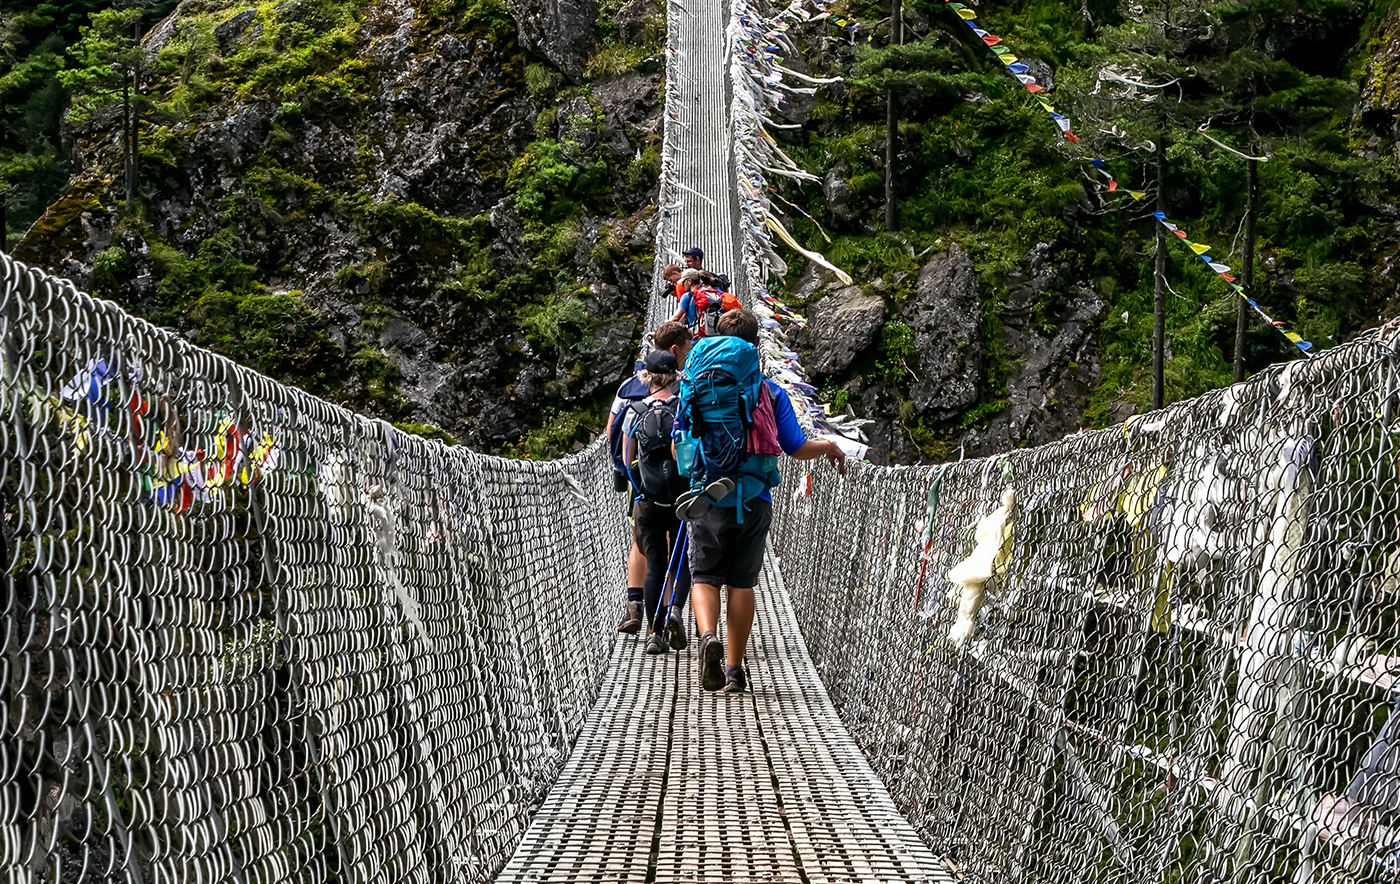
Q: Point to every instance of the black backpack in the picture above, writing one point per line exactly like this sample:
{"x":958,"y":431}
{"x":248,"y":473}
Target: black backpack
{"x":653,"y":470}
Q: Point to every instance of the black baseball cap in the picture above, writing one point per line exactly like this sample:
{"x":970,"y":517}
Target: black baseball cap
{"x":694,"y":252}
{"x":662,"y":361}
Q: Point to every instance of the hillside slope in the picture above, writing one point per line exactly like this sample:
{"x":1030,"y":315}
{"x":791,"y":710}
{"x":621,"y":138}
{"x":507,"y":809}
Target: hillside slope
{"x":388,"y":203}
{"x":1014,"y":303}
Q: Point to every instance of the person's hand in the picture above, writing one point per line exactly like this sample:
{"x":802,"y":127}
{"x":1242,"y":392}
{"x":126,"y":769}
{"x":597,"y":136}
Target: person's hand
{"x":836,"y":457}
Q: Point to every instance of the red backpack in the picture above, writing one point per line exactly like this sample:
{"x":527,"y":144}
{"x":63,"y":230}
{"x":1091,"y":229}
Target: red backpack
{"x":707,"y":305}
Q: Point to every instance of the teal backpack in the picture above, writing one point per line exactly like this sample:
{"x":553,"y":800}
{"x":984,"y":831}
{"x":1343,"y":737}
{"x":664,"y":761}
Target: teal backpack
{"x":718,"y":395}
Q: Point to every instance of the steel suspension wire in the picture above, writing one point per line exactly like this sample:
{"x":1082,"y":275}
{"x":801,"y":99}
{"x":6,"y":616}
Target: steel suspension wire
{"x":252,"y":637}
{"x":1181,"y":660}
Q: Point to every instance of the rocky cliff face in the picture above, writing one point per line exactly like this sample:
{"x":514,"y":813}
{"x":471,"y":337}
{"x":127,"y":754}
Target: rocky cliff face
{"x":430,"y":211}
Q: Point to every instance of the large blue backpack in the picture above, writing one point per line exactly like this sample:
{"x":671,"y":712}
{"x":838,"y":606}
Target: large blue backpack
{"x":718,"y":394}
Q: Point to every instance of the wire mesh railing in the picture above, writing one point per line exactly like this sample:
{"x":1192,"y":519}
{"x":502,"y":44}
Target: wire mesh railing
{"x":1163,"y":652}
{"x":253,"y":637}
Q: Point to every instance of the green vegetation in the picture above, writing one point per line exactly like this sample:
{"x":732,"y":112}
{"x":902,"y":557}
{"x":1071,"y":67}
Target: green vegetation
{"x":981,"y":164}
{"x":258,"y":100}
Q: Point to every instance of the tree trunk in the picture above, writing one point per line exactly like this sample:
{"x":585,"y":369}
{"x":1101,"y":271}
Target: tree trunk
{"x":892,"y":121}
{"x":1159,"y":281}
{"x":126,"y":139}
{"x":1086,"y":20}
{"x":135,"y":168}
{"x":1247,"y":269}
{"x":4,"y":221}
{"x":135,"y":118}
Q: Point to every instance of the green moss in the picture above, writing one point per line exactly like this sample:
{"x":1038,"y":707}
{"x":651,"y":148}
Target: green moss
{"x":557,"y":324}
{"x":563,"y":432}
{"x":60,"y":229}
{"x":897,"y":355}
{"x":111,"y":266}
{"x":613,"y":59}
{"x":427,"y":431}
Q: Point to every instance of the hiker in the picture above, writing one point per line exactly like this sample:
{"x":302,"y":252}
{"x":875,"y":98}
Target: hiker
{"x":730,"y":426}
{"x":671,"y":282}
{"x":657,"y":483}
{"x":701,"y":305}
{"x":673,"y":337}
{"x":694,"y":260}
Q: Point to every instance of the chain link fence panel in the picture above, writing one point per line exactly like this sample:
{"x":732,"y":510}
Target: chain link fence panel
{"x":1162,"y":652}
{"x":252,"y":637}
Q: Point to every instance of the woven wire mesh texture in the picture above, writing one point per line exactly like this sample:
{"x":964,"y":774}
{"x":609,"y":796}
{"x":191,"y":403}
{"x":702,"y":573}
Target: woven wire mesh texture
{"x":1183,"y":665}
{"x":252,"y":637}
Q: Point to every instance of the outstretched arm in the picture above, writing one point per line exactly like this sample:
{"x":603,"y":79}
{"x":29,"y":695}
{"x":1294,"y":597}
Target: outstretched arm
{"x":815,"y":448}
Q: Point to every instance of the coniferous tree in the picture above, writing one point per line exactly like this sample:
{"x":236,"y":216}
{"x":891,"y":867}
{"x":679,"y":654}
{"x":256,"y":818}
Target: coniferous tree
{"x":31,"y":100}
{"x":107,"y":76}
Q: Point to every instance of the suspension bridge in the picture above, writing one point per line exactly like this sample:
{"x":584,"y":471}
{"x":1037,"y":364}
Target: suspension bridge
{"x":253,"y":637}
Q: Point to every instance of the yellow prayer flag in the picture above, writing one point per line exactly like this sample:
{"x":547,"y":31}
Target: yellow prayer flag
{"x":966,"y":13}
{"x":1295,"y":338}
{"x":1137,"y":194}
{"x":1200,"y":248}
{"x":1008,"y":59}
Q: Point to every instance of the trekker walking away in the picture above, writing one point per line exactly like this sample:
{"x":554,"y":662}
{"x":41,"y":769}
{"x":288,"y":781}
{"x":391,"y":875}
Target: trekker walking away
{"x":656,"y":531}
{"x":702,"y":305}
{"x":673,"y":337}
{"x":730,"y":426}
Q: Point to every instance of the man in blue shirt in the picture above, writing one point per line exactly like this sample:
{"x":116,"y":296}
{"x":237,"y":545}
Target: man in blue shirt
{"x":725,"y":552}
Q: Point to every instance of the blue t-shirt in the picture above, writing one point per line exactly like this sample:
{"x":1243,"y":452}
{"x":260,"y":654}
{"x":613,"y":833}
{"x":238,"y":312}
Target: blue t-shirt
{"x":688,"y":305}
{"x":790,"y":434}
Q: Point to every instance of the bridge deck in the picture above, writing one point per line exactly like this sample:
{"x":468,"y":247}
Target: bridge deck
{"x":671,"y":783}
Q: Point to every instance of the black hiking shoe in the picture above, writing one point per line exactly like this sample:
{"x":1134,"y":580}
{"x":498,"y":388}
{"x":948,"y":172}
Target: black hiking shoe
{"x":675,"y":633}
{"x":631,"y":621}
{"x":656,"y":644}
{"x":736,"y":680}
{"x":711,"y":662}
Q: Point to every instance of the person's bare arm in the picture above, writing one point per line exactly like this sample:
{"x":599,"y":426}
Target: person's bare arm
{"x":815,"y":448}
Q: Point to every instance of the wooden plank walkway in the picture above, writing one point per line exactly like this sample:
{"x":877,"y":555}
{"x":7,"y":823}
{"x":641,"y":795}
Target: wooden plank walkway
{"x":669,"y":783}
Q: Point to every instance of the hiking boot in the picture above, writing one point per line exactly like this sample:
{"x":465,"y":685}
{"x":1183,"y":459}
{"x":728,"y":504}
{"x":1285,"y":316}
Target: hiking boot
{"x":675,"y":633}
{"x":631,"y":621}
{"x":711,"y":662}
{"x":735,"y":680}
{"x":656,"y":644}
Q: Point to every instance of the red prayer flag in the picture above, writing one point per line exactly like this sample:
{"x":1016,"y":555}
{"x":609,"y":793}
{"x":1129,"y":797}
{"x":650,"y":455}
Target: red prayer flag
{"x":1180,"y":234}
{"x":991,"y":39}
{"x":1073,"y":139}
{"x":1112,"y":185}
{"x":1228,"y":277}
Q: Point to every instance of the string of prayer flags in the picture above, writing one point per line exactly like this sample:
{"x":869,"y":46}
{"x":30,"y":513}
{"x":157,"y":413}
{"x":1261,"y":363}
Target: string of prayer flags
{"x":1015,"y":67}
{"x":758,"y":75}
{"x":1020,"y":71}
{"x":1202,"y":251}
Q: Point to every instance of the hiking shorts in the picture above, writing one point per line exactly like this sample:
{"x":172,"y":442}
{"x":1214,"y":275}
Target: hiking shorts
{"x":726,"y":553}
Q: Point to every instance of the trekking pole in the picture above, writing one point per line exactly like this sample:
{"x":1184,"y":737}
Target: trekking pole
{"x":673,"y":574}
{"x":683,"y":539}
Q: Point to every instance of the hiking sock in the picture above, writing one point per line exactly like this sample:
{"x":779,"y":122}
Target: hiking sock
{"x":634,"y":594}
